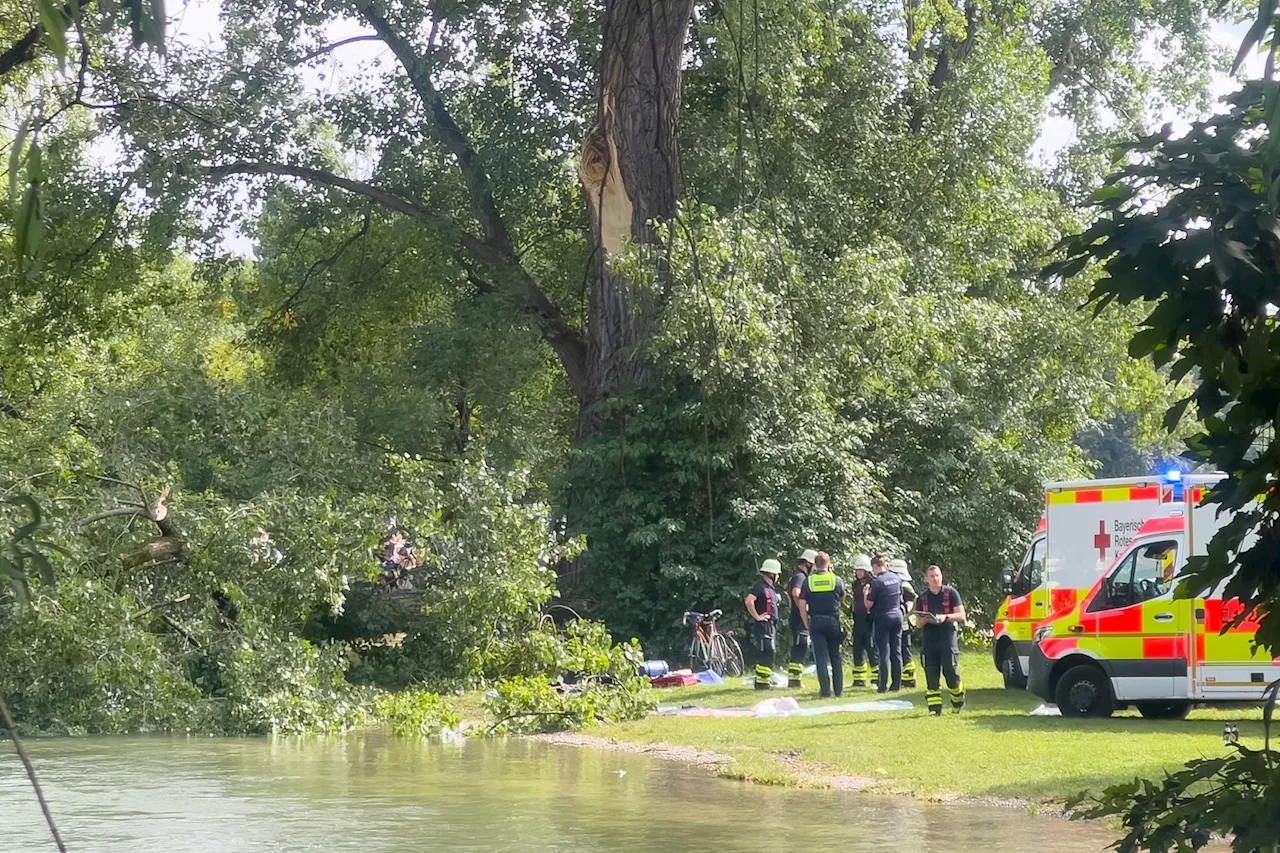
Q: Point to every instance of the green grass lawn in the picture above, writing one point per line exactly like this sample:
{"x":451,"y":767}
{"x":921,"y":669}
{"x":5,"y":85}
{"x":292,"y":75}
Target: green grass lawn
{"x":992,"y":749}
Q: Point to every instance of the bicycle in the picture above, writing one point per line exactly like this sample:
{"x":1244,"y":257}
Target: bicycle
{"x":711,"y":649}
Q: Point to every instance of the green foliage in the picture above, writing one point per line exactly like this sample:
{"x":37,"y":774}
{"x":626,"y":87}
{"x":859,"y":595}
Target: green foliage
{"x":146,"y":23}
{"x":682,"y":497}
{"x":22,"y":554}
{"x":76,"y":660}
{"x":1192,"y":225}
{"x":849,"y":348}
{"x":1206,"y":257}
{"x":415,"y":713}
{"x":208,"y":514}
{"x":291,"y":687}
{"x":495,"y":559}
{"x":1235,"y":797}
{"x":605,"y":684}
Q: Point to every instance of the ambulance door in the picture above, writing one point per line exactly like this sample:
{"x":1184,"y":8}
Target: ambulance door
{"x":1028,"y":602}
{"x":1140,"y":633}
{"x":1226,"y":666}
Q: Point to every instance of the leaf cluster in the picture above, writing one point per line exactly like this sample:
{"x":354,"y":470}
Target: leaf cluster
{"x":1190,"y":226}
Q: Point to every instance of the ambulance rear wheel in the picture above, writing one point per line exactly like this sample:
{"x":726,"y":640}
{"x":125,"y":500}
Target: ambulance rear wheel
{"x":1085,"y":691}
{"x":1011,"y":669}
{"x":1164,"y":710}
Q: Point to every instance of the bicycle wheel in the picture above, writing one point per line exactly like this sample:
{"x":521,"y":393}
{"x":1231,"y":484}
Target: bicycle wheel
{"x":734,"y":664}
{"x":699,"y":654}
{"x":719,"y":655}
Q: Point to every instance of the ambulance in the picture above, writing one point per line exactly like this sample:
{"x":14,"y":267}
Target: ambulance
{"x":1085,"y":526}
{"x":1129,"y":642}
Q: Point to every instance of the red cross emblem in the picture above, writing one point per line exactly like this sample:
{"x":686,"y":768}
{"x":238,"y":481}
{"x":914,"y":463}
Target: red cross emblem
{"x":1102,"y":541}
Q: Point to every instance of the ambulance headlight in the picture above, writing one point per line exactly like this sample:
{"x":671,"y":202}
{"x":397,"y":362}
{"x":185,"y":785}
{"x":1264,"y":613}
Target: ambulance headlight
{"x":1042,"y":633}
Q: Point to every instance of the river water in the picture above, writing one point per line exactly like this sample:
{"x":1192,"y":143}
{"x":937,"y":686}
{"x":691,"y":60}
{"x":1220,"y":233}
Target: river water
{"x":374,"y":794}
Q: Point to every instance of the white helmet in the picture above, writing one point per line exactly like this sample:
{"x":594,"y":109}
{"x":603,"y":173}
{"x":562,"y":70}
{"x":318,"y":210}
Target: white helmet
{"x":809,"y":556}
{"x":862,"y":563}
{"x":771,"y":567}
{"x":899,"y":568}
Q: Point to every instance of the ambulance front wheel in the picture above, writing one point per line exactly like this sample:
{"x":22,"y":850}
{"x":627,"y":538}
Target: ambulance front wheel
{"x":1164,"y":710}
{"x":1011,"y":669}
{"x":1085,"y":691}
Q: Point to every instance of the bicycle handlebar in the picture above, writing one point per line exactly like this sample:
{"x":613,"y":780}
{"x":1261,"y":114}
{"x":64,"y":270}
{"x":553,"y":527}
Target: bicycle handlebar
{"x":695,"y":616}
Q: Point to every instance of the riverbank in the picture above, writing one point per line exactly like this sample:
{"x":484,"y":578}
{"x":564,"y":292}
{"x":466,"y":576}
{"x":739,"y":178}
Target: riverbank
{"x":369,"y":792}
{"x":994,"y":752}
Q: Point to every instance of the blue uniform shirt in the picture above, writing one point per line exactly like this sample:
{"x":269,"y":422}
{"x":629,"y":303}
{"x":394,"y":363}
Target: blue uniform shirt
{"x":886,"y":594}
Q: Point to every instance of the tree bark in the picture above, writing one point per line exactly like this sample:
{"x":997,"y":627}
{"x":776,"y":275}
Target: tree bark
{"x":630,"y":172}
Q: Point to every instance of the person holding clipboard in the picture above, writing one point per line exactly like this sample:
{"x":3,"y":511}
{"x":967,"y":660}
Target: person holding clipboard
{"x":938,"y":611}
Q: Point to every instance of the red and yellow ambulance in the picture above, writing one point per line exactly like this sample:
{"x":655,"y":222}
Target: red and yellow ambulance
{"x":1129,"y":642}
{"x":1086,"y":524}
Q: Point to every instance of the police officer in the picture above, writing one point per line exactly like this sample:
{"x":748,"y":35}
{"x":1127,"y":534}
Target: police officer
{"x":799,"y":636}
{"x":884,"y":600}
{"x":820,"y":609}
{"x":939,"y":610}
{"x":866,"y":659}
{"x":899,"y":568}
{"x":762,"y":608}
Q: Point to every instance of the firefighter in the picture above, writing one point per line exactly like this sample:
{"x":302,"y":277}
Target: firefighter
{"x":799,"y":636}
{"x":884,"y":600}
{"x":866,"y":659}
{"x":762,"y":607}
{"x":939,"y":610}
{"x":899,"y":568}
{"x":820,"y":609}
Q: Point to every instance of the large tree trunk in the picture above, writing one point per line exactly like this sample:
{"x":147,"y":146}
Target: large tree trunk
{"x":631,"y":175}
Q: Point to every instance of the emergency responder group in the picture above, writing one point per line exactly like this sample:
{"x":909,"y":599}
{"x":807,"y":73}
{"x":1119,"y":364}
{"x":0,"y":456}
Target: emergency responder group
{"x":883,"y":604}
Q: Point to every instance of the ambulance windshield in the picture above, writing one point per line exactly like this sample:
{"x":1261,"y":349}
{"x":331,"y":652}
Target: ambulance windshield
{"x":1145,"y":574}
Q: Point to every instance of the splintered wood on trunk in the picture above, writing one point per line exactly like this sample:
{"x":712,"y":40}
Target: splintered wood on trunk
{"x":630,"y":171}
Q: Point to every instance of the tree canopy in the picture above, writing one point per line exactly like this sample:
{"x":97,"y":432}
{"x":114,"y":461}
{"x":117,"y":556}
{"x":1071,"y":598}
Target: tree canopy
{"x":605,"y":301}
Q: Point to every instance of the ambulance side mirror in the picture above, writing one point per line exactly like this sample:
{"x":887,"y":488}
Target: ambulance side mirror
{"x":1006,"y":578}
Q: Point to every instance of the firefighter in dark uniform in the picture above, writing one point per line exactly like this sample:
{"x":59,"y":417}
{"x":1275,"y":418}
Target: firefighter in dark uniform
{"x":899,"y":568}
{"x":884,"y":600}
{"x":939,"y":610}
{"x":866,"y":660}
{"x":762,"y":608}
{"x":799,"y":636}
{"x":820,"y":609}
